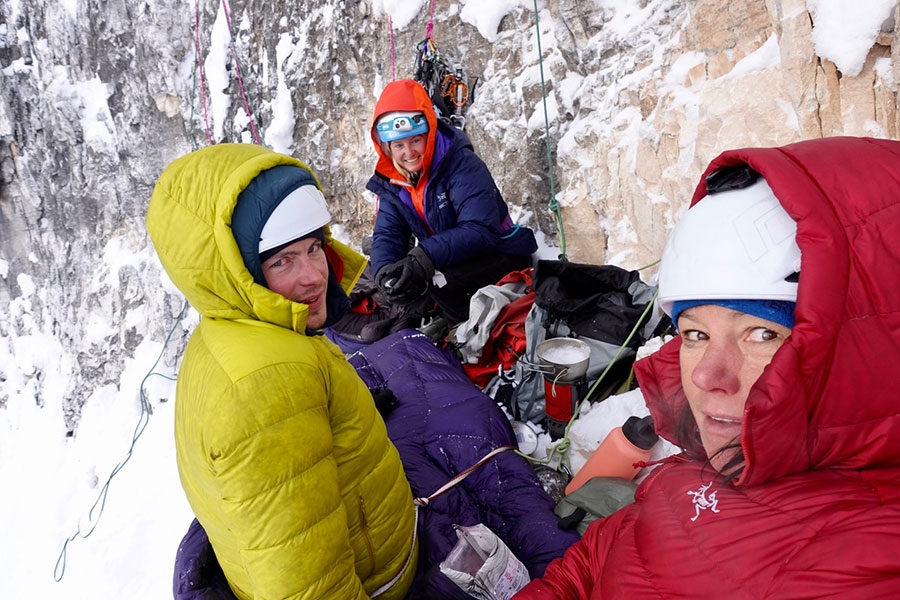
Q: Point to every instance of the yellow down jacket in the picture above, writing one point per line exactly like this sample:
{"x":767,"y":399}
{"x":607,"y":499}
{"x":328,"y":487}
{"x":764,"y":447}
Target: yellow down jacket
{"x":281,"y":453}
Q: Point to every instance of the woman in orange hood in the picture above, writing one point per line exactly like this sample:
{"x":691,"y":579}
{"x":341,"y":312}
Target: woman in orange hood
{"x":442,"y":229}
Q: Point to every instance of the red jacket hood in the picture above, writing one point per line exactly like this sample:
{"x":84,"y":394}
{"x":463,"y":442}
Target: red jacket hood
{"x":829,"y":398}
{"x":403,"y":95}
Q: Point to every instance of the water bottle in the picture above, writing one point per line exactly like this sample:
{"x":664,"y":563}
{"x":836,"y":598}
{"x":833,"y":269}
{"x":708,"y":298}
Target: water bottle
{"x":615,"y":457}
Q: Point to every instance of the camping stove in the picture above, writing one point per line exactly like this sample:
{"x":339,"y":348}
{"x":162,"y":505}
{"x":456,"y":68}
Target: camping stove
{"x":564,"y":364}
{"x":561,"y":398}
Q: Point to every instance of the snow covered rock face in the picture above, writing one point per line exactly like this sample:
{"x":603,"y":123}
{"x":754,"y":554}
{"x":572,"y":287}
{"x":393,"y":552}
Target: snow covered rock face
{"x":97,"y":97}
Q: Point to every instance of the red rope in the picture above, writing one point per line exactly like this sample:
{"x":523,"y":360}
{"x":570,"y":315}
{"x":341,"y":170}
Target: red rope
{"x":200,"y":69}
{"x":240,"y":77}
{"x":393,"y":62}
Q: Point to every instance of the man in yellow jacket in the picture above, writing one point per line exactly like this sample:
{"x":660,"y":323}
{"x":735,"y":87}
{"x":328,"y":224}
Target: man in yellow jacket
{"x":281,"y":452}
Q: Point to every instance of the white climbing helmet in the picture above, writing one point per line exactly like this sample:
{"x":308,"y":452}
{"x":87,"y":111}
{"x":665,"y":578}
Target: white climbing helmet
{"x":735,"y":244}
{"x":300,"y":213}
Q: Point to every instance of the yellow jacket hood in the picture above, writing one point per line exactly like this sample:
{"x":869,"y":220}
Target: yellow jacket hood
{"x":189,"y":221}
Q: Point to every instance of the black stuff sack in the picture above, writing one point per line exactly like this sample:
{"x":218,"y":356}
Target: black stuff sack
{"x":602,"y":302}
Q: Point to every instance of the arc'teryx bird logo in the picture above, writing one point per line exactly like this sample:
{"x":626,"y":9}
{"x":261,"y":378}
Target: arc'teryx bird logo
{"x":702,"y":501}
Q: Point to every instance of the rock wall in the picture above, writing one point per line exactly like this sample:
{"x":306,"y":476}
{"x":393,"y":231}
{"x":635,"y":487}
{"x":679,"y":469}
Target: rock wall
{"x":98,"y":96}
{"x":671,"y":117}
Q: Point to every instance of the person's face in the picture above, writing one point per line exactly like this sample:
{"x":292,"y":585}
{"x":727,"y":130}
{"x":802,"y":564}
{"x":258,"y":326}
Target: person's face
{"x":409,"y":152}
{"x":723,"y":353}
{"x":300,"y":273}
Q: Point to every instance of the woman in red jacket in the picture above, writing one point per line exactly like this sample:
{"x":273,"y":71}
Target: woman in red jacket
{"x":780,"y":387}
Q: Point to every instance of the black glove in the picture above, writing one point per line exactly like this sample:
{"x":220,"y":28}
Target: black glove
{"x":385,"y":401}
{"x":407,"y":279}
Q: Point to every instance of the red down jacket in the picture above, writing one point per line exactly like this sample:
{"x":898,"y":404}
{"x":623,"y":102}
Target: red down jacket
{"x":816,"y":512}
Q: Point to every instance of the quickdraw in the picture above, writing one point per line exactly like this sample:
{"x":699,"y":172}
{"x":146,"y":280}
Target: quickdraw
{"x":455,"y":89}
{"x":447,"y":86}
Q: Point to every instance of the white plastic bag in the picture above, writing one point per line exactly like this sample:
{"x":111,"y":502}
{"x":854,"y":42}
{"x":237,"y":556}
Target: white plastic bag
{"x":483,"y":566}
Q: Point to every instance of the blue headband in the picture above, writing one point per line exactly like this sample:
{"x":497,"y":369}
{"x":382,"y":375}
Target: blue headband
{"x":777,"y":311}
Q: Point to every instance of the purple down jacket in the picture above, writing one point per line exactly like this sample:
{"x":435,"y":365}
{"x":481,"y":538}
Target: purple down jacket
{"x":445,"y":424}
{"x":442,"y":425}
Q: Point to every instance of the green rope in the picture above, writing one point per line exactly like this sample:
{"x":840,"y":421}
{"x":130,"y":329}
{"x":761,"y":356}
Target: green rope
{"x":143,"y":420}
{"x":653,"y":264}
{"x":553,"y":205}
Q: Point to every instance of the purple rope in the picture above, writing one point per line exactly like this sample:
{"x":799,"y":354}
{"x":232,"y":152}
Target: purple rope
{"x":240,"y":78}
{"x":200,"y":69}
{"x":429,"y":29}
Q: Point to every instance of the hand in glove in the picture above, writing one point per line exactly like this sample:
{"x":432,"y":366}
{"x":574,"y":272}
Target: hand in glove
{"x":408,"y":278}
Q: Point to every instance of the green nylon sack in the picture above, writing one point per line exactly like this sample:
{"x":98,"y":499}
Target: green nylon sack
{"x":596,"y":499}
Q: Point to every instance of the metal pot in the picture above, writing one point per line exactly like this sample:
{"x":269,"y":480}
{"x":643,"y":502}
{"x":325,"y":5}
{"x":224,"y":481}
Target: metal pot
{"x":563,"y":359}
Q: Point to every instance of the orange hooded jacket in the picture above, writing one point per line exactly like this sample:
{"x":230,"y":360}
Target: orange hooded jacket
{"x":406,"y":95}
